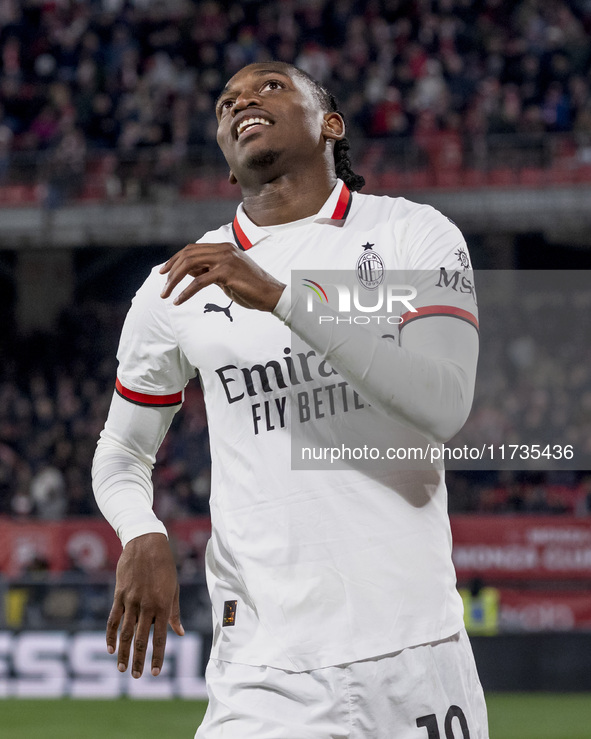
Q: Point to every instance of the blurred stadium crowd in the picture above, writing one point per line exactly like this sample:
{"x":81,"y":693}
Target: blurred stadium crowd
{"x":533,"y":388}
{"x":429,"y":81}
{"x":55,"y":392}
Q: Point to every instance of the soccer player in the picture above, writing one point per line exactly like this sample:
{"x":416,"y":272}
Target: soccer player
{"x":335,"y":611}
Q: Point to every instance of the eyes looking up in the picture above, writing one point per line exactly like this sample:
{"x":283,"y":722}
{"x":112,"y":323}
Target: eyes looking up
{"x":226,"y":104}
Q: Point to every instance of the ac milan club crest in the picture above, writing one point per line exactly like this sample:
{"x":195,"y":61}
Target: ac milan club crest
{"x":370,"y":268}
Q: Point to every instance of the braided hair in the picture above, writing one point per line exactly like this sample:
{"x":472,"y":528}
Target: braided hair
{"x":342,"y":162}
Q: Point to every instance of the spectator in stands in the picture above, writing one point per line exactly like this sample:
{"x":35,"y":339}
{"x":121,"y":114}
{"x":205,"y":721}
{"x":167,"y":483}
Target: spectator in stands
{"x":48,"y":492}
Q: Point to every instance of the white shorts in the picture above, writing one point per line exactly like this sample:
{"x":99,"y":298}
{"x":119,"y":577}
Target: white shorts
{"x":431,"y":691}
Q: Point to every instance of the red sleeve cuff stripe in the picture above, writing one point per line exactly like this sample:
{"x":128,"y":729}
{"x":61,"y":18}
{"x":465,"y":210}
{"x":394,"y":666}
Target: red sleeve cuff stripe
{"x":440,"y":310}
{"x":145,"y":399}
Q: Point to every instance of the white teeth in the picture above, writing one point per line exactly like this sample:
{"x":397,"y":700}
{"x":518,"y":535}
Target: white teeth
{"x":247,"y":122}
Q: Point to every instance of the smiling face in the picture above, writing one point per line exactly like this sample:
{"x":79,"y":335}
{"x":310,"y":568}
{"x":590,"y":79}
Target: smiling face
{"x":271,"y":122}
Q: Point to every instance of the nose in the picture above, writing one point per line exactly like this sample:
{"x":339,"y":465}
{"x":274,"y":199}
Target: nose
{"x":245,"y":99}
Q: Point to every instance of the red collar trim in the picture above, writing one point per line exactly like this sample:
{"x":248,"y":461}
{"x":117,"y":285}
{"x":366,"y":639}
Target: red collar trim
{"x":343,"y":204}
{"x":340,"y":213}
{"x":242,"y":240}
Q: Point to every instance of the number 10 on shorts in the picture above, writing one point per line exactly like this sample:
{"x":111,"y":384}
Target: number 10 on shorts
{"x":454,"y":712}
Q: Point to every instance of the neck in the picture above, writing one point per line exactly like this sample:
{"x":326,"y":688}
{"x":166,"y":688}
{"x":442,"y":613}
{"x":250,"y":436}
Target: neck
{"x":288,"y":197}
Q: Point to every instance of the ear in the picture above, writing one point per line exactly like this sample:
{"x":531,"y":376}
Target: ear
{"x":231,"y":179}
{"x":333,"y":126}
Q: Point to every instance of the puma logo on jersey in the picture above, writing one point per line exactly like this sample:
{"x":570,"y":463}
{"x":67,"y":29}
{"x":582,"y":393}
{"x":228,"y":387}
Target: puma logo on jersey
{"x":213,"y":308}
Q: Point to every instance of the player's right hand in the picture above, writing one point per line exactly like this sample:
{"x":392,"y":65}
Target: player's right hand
{"x":146,"y":593}
{"x":225,"y":265}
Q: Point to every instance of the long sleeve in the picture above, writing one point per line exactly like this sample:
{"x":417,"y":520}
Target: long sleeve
{"x":426,"y":382}
{"x":122,"y":466}
{"x":151,"y":377}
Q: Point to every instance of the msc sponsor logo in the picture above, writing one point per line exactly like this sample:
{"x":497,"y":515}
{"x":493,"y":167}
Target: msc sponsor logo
{"x":462,"y":256}
{"x":457,"y":281}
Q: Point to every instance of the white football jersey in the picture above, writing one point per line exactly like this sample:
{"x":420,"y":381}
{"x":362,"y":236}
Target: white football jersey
{"x":307,"y":568}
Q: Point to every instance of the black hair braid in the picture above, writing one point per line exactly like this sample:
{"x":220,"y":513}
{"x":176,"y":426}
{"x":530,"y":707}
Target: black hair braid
{"x":343,"y":168}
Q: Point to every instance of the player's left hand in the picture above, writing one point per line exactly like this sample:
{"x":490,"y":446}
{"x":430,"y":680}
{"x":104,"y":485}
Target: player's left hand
{"x":239,"y":277}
